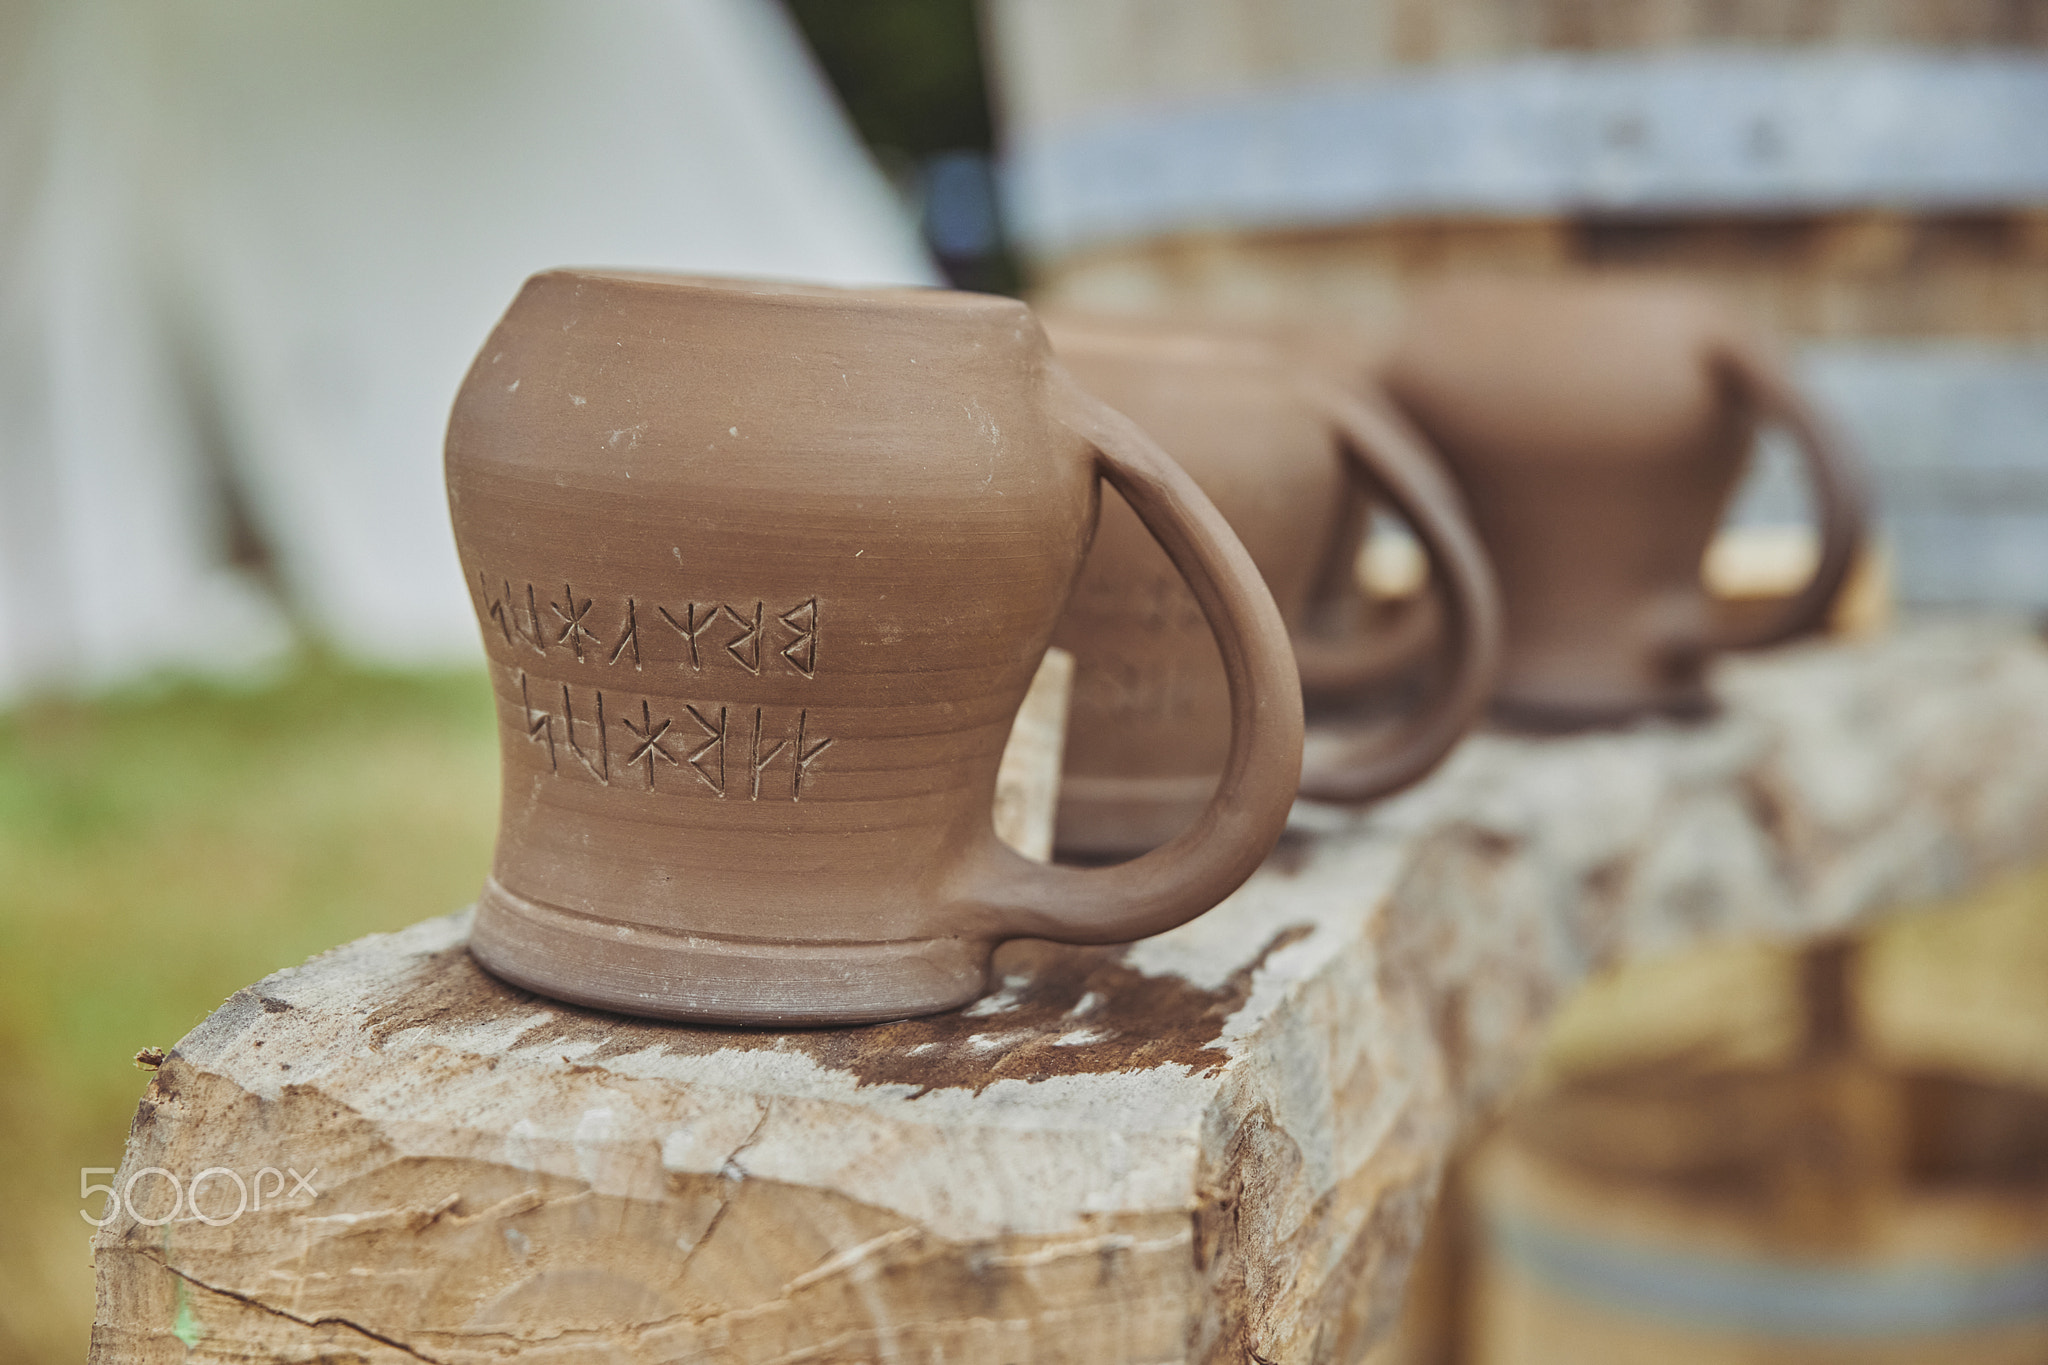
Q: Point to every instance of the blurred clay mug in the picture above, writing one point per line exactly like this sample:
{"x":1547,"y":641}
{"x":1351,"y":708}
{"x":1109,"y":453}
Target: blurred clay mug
{"x":1278,"y":451}
{"x":1598,"y":431}
{"x":763,"y":573}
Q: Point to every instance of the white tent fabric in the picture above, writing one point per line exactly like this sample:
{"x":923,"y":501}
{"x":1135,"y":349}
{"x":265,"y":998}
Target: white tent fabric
{"x":254,"y":245}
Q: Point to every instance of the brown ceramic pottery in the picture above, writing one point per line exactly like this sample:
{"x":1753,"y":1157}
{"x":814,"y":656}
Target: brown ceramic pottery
{"x":763,"y":573}
{"x":1280,"y":453}
{"x":1598,"y":431}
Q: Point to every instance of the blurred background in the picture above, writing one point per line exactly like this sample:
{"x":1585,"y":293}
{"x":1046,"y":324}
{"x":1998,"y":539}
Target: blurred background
{"x":247,"y":251}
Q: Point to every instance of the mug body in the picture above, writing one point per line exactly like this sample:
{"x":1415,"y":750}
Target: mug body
{"x":1597,"y":449}
{"x":1149,"y":721}
{"x":763,"y":573}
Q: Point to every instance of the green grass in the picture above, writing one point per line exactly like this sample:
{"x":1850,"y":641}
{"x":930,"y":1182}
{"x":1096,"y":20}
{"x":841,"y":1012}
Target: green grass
{"x":162,"y":847}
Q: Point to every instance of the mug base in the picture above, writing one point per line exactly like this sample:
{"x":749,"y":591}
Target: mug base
{"x":1108,"y":818}
{"x":664,"y":974}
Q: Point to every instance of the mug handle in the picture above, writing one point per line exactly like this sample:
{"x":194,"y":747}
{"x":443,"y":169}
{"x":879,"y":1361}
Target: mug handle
{"x":1333,"y":663}
{"x":1333,"y":666}
{"x":1206,"y":862}
{"x":1383,"y":451}
{"x":1839,"y":490}
{"x":1338,"y":656}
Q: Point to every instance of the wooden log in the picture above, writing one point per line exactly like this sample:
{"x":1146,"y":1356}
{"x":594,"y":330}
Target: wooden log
{"x":1219,"y":1144}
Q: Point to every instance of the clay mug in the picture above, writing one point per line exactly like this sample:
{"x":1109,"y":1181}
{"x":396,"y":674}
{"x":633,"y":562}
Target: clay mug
{"x":763,"y":573}
{"x":1598,"y":431}
{"x":1277,"y":450}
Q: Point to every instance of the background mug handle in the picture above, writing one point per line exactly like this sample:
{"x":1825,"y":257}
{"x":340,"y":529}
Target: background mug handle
{"x":1336,"y":652}
{"x":1840,"y":494}
{"x":1206,"y":862}
{"x":1386,"y":454}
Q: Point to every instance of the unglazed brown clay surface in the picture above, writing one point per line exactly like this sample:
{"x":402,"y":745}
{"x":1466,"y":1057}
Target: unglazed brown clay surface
{"x":1282,"y":454}
{"x":1598,"y":432}
{"x":763,"y":574}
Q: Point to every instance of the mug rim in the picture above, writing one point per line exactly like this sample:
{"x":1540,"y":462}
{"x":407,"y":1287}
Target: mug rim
{"x":806,"y":294}
{"x":1161,"y":341}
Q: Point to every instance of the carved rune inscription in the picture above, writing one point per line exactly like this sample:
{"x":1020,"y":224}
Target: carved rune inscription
{"x":750,"y":634}
{"x":749,"y":751}
{"x":612,"y":738}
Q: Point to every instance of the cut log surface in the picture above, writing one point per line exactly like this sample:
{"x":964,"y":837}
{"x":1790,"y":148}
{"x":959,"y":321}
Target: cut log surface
{"x":1218,"y":1144}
